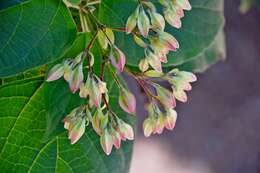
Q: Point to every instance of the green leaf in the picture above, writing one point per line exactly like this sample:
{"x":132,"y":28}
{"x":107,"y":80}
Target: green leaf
{"x":213,"y":54}
{"x":27,"y":143}
{"x":8,"y":3}
{"x":200,"y":27}
{"x":34,"y":33}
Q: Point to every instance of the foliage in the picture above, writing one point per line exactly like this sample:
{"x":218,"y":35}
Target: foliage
{"x":89,"y":44}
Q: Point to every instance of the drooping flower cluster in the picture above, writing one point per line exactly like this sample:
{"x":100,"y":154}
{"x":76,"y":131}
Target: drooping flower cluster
{"x":111,"y":129}
{"x":174,"y":10}
{"x":147,"y":26}
{"x":151,"y":25}
{"x":161,"y":113}
{"x":71,"y":70}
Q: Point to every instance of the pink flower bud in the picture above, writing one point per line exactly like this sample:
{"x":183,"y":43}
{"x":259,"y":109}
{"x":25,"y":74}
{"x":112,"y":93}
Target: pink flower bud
{"x":187,"y":76}
{"x":143,"y":23}
{"x":106,"y":142}
{"x":117,"y":58}
{"x":95,"y":96}
{"x":157,"y":20}
{"x":116,"y":139}
{"x":125,"y":130}
{"x":127,"y":101}
{"x":76,"y":78}
{"x":75,"y":123}
{"x":160,"y":124}
{"x":96,"y":121}
{"x":55,"y":73}
{"x":77,"y":130}
{"x":170,"y":119}
{"x":165,"y":96}
{"x":67,"y":71}
{"x":172,"y":18}
{"x":170,"y":41}
{"x":179,"y":94}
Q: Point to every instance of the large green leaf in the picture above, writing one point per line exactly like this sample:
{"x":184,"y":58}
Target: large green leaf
{"x":8,"y":3}
{"x":34,"y":33}
{"x":24,"y":146}
{"x":213,"y":54}
{"x":200,"y":27}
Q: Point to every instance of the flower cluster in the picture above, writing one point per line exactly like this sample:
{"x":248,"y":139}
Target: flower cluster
{"x":109,"y":127}
{"x":160,"y":109}
{"x":148,"y":29}
{"x":151,"y":25}
{"x":71,"y":70}
{"x":174,"y":11}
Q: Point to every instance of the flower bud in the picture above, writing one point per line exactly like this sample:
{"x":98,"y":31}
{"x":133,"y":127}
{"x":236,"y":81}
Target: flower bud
{"x":143,"y":65}
{"x":55,"y":73}
{"x":75,"y":123}
{"x":170,"y":119}
{"x":76,"y":78}
{"x":125,"y":130}
{"x":131,"y":21}
{"x":170,"y":41}
{"x":127,"y":101}
{"x":67,"y":70}
{"x":179,"y":94}
{"x":188,"y":76}
{"x":149,"y":5}
{"x":140,"y":42}
{"x":102,"y":38}
{"x":143,"y":23}
{"x":159,"y":125}
{"x":154,"y":61}
{"x":96,"y":89}
{"x":84,"y":89}
{"x":148,"y":126}
{"x":96,"y":121}
{"x":157,"y":20}
{"x":165,"y":96}
{"x":184,"y":4}
{"x":77,"y":130}
{"x":172,"y":18}
{"x":116,"y":139}
{"x":117,"y":58}
{"x":106,"y":142}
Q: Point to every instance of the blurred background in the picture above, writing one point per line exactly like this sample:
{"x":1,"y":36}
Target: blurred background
{"x":218,"y":130}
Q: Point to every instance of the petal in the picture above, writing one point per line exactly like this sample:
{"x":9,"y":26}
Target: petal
{"x":157,"y":20}
{"x":77,"y":131}
{"x":143,"y":23}
{"x":127,"y":101}
{"x":117,"y":58}
{"x":56,"y":72}
{"x":170,"y":120}
{"x":147,"y":127}
{"x":106,"y":142}
{"x":131,"y":21}
{"x":116,"y":139}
